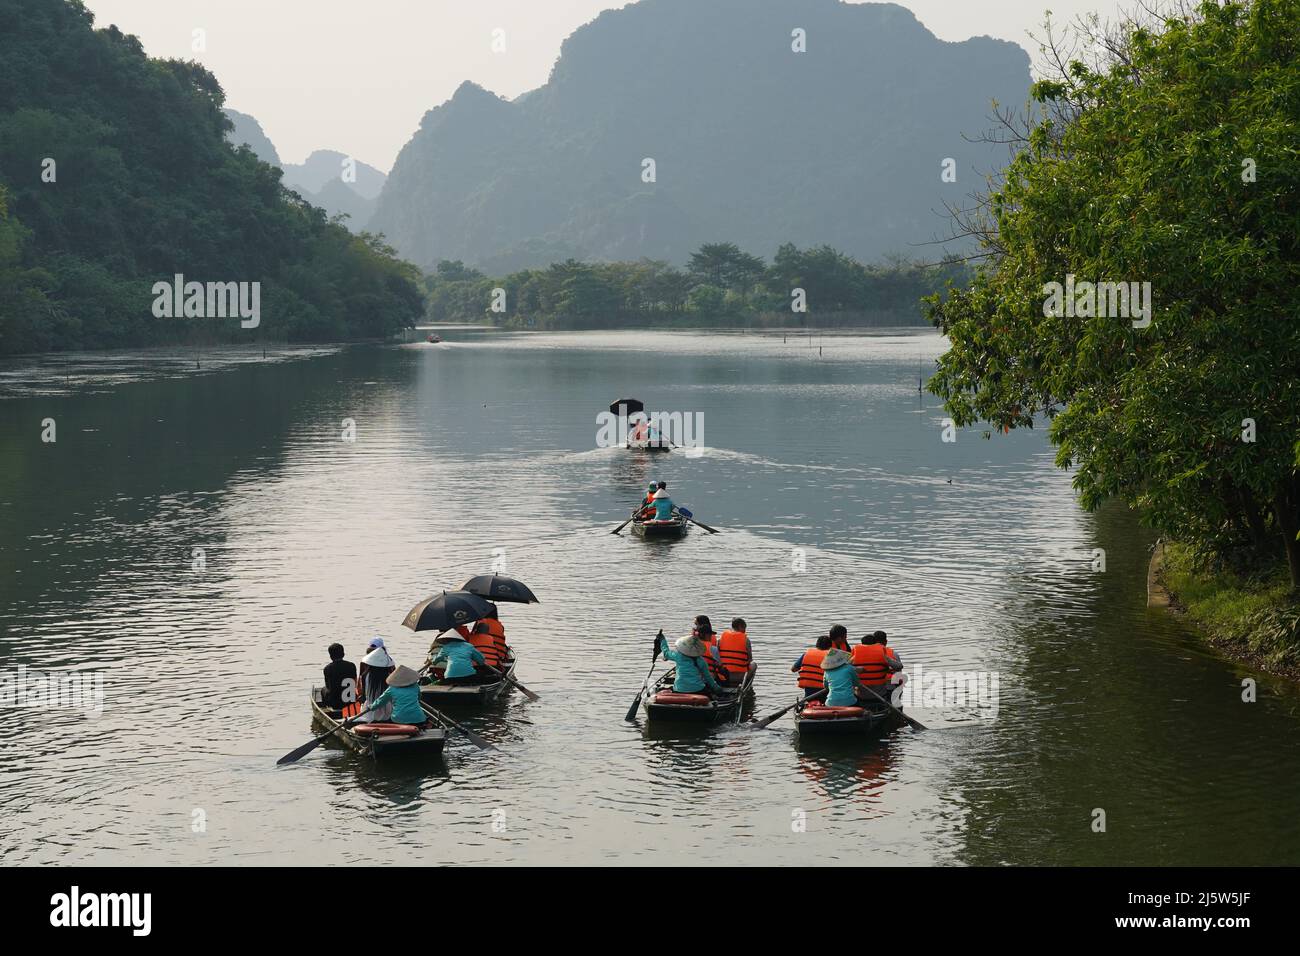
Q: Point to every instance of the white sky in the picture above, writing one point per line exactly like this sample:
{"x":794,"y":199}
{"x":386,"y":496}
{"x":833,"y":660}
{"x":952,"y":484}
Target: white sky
{"x":357,"y":75}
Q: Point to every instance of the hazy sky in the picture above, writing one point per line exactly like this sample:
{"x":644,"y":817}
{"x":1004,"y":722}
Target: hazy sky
{"x":357,"y":75}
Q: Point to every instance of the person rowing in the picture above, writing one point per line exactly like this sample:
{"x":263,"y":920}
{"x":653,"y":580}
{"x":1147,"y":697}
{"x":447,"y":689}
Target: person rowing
{"x":457,"y":658}
{"x":841,"y":678}
{"x":402,"y":698}
{"x":663,"y":505}
{"x":692,"y":674}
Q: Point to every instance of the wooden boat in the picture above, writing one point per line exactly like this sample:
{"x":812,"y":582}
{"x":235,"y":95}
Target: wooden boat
{"x":662,"y":703}
{"x":486,"y":689}
{"x":674,"y":527}
{"x":813,"y":719}
{"x":425,"y":743}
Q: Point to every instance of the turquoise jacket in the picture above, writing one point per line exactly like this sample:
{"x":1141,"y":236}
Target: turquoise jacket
{"x":406,"y":704}
{"x":843,"y":683}
{"x":663,"y":508}
{"x":459,"y":658}
{"x":692,"y":672}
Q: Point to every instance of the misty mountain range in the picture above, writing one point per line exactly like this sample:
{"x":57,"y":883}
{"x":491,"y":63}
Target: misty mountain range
{"x":319,"y":180}
{"x":751,"y":141}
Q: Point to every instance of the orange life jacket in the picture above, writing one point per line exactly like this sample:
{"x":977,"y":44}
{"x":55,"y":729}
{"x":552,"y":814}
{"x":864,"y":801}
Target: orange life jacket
{"x":710,"y":645}
{"x":490,"y":638}
{"x":840,"y":643}
{"x":870,"y":659}
{"x":733,"y":648}
{"x":810,"y":671}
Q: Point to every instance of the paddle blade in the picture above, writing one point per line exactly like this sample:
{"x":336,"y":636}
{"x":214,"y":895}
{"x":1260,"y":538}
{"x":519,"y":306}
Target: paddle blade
{"x":631,"y":711}
{"x":302,"y":751}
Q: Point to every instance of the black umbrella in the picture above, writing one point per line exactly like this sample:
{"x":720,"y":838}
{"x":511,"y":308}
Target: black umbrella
{"x":632,"y":406}
{"x":444,"y":611}
{"x":498,"y":587}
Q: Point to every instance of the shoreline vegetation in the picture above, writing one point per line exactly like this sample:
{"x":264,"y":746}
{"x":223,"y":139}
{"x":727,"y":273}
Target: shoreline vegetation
{"x":1187,"y":408}
{"x":720,"y":287}
{"x":1253,"y":618}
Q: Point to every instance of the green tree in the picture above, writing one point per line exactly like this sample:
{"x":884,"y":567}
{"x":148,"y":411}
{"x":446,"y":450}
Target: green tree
{"x":1164,"y":153}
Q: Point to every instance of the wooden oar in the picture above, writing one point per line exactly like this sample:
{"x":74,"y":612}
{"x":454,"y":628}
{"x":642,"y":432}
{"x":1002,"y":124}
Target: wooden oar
{"x":307,"y":748}
{"x":691,"y":518}
{"x":513,"y":683}
{"x":781,"y":713}
{"x":473,"y":738}
{"x":645,"y":686}
{"x":624,"y":524}
{"x":914,"y":724}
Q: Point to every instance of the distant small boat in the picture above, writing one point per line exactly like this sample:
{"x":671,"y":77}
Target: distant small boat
{"x":434,"y":338}
{"x":647,"y":444}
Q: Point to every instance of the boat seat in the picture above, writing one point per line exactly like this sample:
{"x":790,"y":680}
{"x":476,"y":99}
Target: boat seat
{"x":385,"y":730}
{"x":672,"y":697}
{"x":819,"y":711}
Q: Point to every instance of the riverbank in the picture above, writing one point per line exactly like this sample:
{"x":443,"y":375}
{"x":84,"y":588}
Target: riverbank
{"x":1254,"y":620}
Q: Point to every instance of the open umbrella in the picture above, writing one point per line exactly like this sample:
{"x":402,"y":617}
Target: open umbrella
{"x":444,"y":611}
{"x":498,"y":587}
{"x":630,"y":406}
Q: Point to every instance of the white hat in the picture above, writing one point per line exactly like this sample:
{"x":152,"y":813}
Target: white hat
{"x":690,"y":646}
{"x":449,"y":636}
{"x":378,"y":658}
{"x":834,"y":658}
{"x":661,"y":493}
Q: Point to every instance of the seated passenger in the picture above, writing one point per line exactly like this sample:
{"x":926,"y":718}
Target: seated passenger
{"x":874,"y":664}
{"x":809,"y":666}
{"x":340,"y":680}
{"x":703,"y":629}
{"x":376,"y":666}
{"x":840,"y":638}
{"x":735,"y":653}
{"x":489,"y":638}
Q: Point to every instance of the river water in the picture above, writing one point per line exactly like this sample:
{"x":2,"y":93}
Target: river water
{"x":837,"y":499}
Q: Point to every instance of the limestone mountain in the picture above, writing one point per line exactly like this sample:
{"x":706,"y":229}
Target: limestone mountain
{"x":751,"y":140}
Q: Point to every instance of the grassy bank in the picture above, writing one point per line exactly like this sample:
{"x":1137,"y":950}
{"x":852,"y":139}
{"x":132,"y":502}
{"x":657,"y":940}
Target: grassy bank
{"x":1255,"y":619}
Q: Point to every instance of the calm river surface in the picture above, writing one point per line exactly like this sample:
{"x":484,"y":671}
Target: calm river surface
{"x":973,"y":555}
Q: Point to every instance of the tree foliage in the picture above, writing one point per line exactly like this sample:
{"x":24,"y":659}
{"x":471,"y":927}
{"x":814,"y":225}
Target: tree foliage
{"x":721,"y":284}
{"x":144,"y":187}
{"x":1166,"y":152}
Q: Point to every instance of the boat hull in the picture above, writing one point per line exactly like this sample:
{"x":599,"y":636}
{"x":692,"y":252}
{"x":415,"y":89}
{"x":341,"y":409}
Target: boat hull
{"x":651,"y":530}
{"x":648,"y":447}
{"x":466,"y":695}
{"x":718,"y":711}
{"x":874,"y":723}
{"x":426,"y":744}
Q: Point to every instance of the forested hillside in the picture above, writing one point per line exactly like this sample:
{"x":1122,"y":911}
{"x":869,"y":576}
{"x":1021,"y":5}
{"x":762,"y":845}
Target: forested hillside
{"x":115,"y":174}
